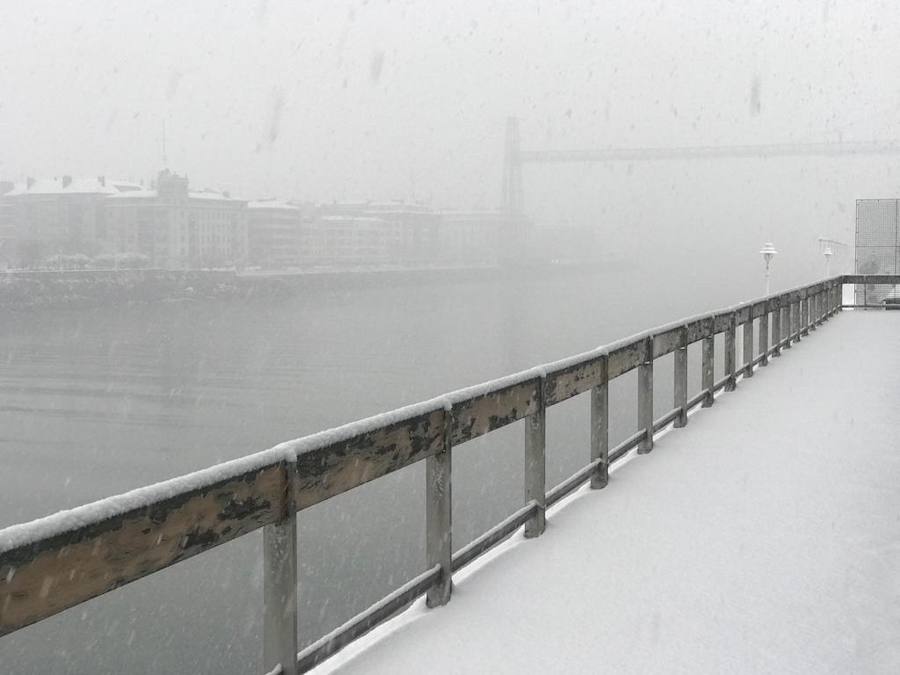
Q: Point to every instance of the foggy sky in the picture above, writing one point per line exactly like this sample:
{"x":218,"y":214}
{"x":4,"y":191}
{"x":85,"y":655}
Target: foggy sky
{"x":381,"y":100}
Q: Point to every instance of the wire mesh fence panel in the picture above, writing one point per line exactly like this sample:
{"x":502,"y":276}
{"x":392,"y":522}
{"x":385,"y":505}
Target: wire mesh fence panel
{"x":877,"y":247}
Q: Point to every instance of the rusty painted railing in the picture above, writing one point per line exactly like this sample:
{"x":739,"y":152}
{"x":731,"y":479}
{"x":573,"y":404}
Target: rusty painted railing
{"x":54,"y":563}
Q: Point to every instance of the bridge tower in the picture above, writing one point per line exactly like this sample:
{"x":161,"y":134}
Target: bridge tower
{"x":514,"y":246}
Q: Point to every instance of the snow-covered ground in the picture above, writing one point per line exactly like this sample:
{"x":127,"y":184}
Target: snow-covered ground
{"x":763,"y":538}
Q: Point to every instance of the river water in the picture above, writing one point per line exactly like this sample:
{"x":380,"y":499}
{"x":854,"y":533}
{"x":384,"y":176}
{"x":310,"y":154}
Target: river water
{"x":96,"y":402}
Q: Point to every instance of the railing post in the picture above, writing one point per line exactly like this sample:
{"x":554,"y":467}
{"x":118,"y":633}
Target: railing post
{"x":764,"y":336}
{"x":708,"y":361}
{"x":600,"y":427}
{"x":681,"y":378}
{"x":788,"y":324}
{"x":776,"y":328}
{"x":536,"y":464}
{"x":280,"y":585}
{"x":645,"y":398}
{"x":730,"y":349}
{"x":813,"y":311}
{"x":805,"y":315}
{"x":795,"y":321}
{"x":747,"y":333}
{"x":438,"y":512}
{"x":792,"y":331}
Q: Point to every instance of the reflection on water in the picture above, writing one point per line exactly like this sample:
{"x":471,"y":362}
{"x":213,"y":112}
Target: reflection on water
{"x":96,"y":402}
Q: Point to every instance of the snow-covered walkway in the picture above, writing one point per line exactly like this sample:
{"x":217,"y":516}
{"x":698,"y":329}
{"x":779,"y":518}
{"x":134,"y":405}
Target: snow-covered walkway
{"x":763,"y":538}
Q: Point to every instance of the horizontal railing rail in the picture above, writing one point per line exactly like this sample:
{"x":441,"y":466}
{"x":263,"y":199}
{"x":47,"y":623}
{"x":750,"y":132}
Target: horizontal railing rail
{"x":867,"y":281}
{"x":57,"y":562}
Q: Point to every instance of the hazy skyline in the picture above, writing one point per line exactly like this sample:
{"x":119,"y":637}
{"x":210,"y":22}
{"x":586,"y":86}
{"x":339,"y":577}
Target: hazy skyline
{"x":391,"y":100}
{"x":387,"y":98}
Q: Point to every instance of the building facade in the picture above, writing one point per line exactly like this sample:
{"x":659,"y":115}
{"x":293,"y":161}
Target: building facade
{"x":176,"y":228}
{"x":374,"y":233}
{"x":346,"y":241}
{"x":274,"y":233}
{"x":106,"y":223}
{"x":60,"y":216}
{"x":470,"y":237}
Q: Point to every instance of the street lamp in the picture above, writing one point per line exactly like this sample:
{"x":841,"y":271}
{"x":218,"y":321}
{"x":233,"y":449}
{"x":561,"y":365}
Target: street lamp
{"x":828,"y":248}
{"x":768,"y":252}
{"x":827,"y":252}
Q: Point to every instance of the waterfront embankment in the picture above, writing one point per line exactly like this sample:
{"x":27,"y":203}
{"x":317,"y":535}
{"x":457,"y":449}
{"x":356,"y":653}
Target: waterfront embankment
{"x":22,"y":290}
{"x":91,"y":288}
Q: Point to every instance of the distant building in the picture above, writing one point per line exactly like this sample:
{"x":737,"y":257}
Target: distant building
{"x":346,"y":241}
{"x":103,"y":223}
{"x":381,"y":233}
{"x":415,"y":230}
{"x":470,"y":237}
{"x":274,"y":233}
{"x":60,"y":216}
{"x":176,"y":228}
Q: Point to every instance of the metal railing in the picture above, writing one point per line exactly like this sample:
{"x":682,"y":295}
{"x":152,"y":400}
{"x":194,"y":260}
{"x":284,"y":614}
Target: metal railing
{"x":54,"y":563}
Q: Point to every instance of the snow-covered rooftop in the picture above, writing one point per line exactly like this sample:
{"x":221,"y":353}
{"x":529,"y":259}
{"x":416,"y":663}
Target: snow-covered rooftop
{"x":272,"y":204}
{"x":135,"y":194}
{"x":212,"y":194}
{"x":65,"y":185}
{"x":153,"y":194}
{"x":387,"y":208}
{"x":351,"y":219}
{"x":764,"y":537}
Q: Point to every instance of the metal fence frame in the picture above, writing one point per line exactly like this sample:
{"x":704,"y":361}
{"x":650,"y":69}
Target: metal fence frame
{"x":876,"y":246}
{"x":57,"y":562}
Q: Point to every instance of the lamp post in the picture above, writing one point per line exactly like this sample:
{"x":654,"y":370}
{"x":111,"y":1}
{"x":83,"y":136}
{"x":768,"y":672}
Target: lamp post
{"x":829,"y":248}
{"x":768,"y":252}
{"x":827,"y":252}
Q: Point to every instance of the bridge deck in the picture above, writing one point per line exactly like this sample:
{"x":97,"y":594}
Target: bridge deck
{"x":765,"y":537}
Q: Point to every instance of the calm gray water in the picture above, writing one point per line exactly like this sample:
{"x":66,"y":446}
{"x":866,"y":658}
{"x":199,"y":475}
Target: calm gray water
{"x":96,"y":402}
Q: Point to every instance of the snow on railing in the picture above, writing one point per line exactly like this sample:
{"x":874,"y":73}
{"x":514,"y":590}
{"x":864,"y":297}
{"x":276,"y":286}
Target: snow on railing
{"x":56,"y":562}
